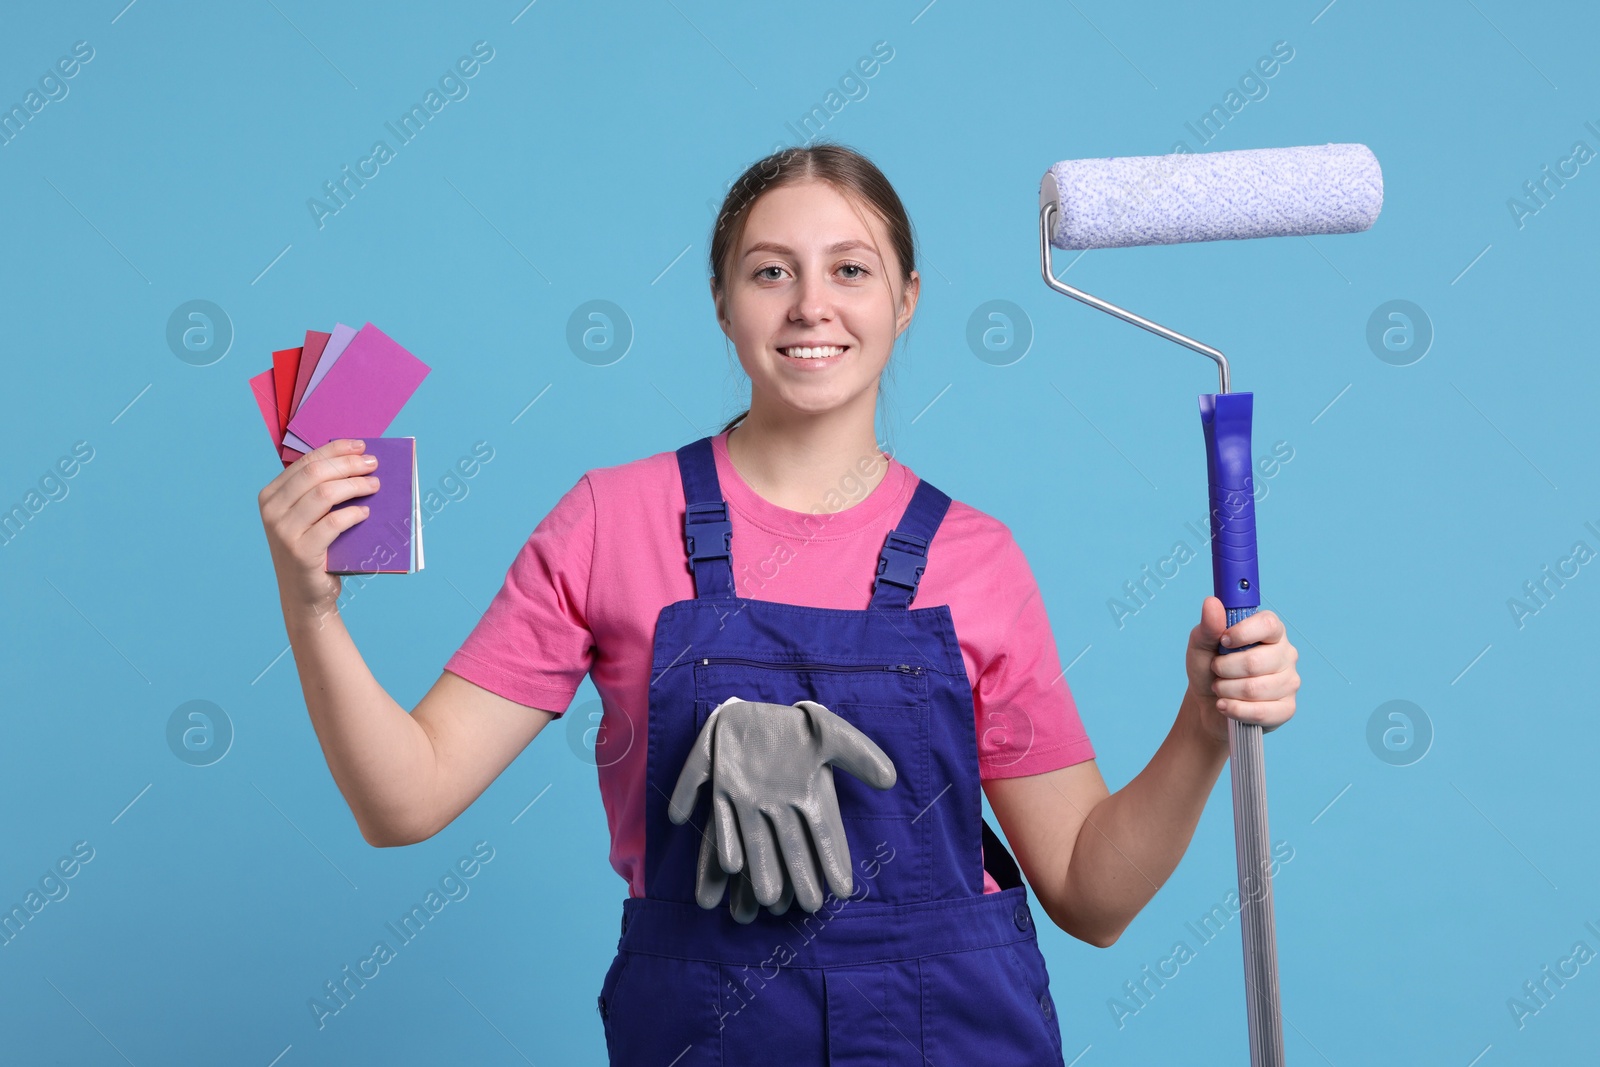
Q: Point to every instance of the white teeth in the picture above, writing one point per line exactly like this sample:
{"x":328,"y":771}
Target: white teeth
{"x":813,"y":353}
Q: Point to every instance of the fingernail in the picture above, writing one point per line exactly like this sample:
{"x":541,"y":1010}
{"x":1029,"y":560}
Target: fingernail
{"x":359,"y":445}
{"x":1227,"y":639}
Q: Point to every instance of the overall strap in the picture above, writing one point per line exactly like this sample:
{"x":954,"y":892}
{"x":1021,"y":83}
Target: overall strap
{"x":707,"y":531}
{"x":905,"y":548}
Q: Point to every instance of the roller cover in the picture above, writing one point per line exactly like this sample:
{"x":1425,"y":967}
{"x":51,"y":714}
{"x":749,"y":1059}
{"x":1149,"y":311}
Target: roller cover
{"x":1214,"y":196}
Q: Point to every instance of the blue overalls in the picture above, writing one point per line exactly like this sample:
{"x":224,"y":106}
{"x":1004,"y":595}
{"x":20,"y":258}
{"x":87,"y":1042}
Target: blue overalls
{"x":918,"y":965}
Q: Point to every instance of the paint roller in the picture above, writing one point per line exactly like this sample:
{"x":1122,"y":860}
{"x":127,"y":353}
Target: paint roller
{"x":1123,"y":201}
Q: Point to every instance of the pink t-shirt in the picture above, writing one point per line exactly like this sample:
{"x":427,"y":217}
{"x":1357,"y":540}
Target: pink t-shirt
{"x":583,"y":594}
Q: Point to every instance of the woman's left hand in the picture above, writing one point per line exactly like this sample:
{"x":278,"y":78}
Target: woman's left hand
{"x":1256,"y":685}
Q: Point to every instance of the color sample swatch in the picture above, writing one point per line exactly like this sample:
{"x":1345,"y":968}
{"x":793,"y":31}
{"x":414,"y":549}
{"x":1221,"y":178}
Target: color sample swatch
{"x":338,"y":341}
{"x":362,"y":393}
{"x":389,"y":539}
{"x":352,"y":383}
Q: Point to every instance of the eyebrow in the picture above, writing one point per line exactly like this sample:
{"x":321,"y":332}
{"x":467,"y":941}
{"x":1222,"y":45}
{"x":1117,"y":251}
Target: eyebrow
{"x":838,"y":246}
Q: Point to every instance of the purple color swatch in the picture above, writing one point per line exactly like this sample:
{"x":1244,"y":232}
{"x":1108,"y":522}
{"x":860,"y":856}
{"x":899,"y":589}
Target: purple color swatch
{"x":383,"y":542}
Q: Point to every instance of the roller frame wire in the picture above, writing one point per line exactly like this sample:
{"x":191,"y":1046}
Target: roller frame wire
{"x":1047,"y":215}
{"x":1241,"y":598}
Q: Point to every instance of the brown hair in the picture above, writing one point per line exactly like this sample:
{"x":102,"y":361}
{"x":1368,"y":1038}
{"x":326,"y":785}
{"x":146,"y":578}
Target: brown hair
{"x":847,"y":170}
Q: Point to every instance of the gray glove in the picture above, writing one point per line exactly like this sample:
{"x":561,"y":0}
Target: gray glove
{"x":771,"y":782}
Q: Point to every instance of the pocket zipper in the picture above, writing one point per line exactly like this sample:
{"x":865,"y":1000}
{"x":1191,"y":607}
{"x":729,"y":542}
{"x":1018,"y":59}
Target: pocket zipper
{"x":902,"y":668}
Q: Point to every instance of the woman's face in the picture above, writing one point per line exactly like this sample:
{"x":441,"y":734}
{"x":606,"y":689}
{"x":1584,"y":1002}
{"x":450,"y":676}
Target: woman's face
{"x":807,"y":280}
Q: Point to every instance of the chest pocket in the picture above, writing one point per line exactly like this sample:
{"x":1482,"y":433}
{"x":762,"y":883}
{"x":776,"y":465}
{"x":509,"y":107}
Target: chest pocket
{"x":887,"y":703}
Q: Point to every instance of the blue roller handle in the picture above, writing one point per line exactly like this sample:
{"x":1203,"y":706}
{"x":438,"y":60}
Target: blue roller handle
{"x":1226,"y":420}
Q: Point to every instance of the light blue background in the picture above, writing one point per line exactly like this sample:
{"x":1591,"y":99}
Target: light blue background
{"x":585,"y":160}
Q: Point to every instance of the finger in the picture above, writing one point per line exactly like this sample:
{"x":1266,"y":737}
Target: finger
{"x":799,"y":859}
{"x":729,"y":833}
{"x":696,"y":770}
{"x":783,"y":901}
{"x":339,"y":458}
{"x":1263,"y":626}
{"x":321,"y":499}
{"x":1213,"y":620}
{"x":1267,"y":714}
{"x":855,"y":752}
{"x":1263,"y":659}
{"x":1257,"y":687}
{"x":312,"y":544}
{"x":762,"y":862}
{"x":710,"y":881}
{"x":846,"y":747}
{"x":273,"y":494}
{"x":833,"y":848}
{"x":742,"y":900}
{"x":322,"y":533}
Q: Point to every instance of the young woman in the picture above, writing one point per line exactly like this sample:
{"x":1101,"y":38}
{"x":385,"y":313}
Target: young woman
{"x":788,"y":558}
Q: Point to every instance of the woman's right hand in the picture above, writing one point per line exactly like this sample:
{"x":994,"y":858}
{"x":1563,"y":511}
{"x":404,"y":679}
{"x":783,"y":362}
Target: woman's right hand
{"x":296,"y":512}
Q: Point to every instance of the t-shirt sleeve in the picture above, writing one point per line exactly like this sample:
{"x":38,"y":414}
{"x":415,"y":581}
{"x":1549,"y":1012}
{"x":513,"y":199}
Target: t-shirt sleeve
{"x":1027,"y":720}
{"x":533,"y":644}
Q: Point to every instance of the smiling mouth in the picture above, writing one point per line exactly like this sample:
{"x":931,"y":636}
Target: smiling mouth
{"x":814,"y":352}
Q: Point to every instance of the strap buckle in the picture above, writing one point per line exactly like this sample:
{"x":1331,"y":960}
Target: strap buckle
{"x":708,"y":531}
{"x":902,"y":561}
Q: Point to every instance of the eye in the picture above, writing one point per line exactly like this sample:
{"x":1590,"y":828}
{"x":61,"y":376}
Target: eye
{"x":855,"y":266}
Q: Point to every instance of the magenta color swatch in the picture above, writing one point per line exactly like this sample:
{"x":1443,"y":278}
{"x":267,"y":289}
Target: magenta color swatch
{"x":362,"y":393}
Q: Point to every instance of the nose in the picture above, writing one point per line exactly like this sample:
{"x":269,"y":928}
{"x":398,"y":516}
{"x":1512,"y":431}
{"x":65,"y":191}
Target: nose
{"x":812,"y":299}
